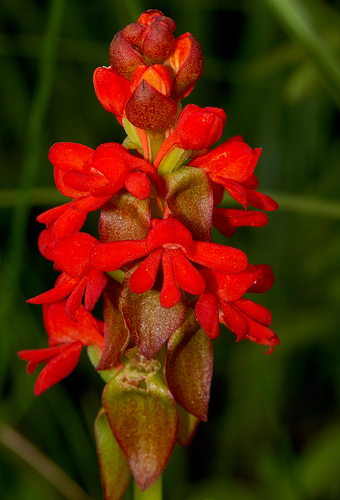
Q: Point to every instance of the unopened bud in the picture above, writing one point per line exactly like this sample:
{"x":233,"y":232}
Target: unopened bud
{"x":156,"y":75}
{"x":148,"y":109}
{"x":199,"y":128}
{"x":186,"y":64}
{"x":124,"y":59}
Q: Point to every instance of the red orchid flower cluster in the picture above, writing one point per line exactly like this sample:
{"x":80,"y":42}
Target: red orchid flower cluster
{"x":166,"y":286}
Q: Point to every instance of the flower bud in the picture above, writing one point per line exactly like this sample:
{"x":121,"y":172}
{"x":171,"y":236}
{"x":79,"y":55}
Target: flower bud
{"x":149,"y":106}
{"x":112,"y":91}
{"x":199,"y":128}
{"x":186,"y":64}
{"x":154,"y":15}
{"x":124,"y":59}
{"x":158,"y":42}
{"x":148,"y":109}
{"x":156,"y":75}
{"x":133,"y":34}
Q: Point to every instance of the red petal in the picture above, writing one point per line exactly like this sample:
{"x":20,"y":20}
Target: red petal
{"x":260,"y":200}
{"x":52,"y":214}
{"x":169,"y":232}
{"x":170,"y":294}
{"x":69,"y":155}
{"x":207,"y":313}
{"x":143,"y":279}
{"x":229,"y":287}
{"x":96,"y":282}
{"x":264,"y":281}
{"x":69,"y":222}
{"x":112,"y":255}
{"x":36,"y":356}
{"x":186,"y":275}
{"x":234,"y":320}
{"x":218,"y":257}
{"x":55,"y":294}
{"x":72,"y":253}
{"x":73,"y":303}
{"x":255,"y":311}
{"x":62,"y":329}
{"x":58,"y":368}
{"x":138,"y":184}
{"x":112,"y":90}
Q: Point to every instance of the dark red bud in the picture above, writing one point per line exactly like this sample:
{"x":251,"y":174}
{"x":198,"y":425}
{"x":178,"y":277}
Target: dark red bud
{"x":148,"y":109}
{"x":158,"y":42}
{"x":123,"y":58}
{"x":133,"y":34}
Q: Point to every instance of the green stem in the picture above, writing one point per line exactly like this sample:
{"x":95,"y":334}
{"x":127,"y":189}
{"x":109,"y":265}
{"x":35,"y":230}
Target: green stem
{"x":152,"y":493}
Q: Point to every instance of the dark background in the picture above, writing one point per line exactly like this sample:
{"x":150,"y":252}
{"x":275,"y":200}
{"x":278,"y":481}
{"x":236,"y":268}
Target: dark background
{"x":274,"y":421}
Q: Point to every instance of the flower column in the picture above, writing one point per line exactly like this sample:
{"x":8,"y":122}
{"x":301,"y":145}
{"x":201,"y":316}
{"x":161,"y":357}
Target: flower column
{"x":166,"y":285}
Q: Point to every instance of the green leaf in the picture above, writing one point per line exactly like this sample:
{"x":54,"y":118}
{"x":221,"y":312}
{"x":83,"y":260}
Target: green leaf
{"x":149,"y":323}
{"x":189,"y":366}
{"x":114,"y":468}
{"x":144,"y":421}
{"x":190,"y":199}
{"x":124,"y":217}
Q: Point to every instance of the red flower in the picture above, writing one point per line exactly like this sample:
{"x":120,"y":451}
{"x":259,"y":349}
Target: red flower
{"x":71,"y":255}
{"x":92,"y":177}
{"x":197,"y":129}
{"x":170,"y":242}
{"x":222,"y":302}
{"x":66,"y":339}
{"x":232,"y":164}
{"x":226,"y":220}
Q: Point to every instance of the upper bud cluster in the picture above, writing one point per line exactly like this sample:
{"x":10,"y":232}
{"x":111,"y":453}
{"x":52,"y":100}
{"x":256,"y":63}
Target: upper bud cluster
{"x":161,"y":70}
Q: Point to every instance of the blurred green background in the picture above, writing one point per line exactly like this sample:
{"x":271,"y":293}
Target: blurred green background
{"x":273,"y":65}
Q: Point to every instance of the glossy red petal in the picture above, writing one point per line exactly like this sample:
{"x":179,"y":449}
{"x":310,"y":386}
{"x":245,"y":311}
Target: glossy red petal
{"x":73,"y":302}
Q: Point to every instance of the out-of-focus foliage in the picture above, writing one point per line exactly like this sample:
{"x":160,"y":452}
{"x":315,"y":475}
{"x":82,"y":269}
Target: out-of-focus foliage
{"x":274,"y":422}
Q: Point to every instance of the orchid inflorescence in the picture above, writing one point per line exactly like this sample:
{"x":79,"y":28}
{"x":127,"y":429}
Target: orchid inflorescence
{"x":166,"y":286}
